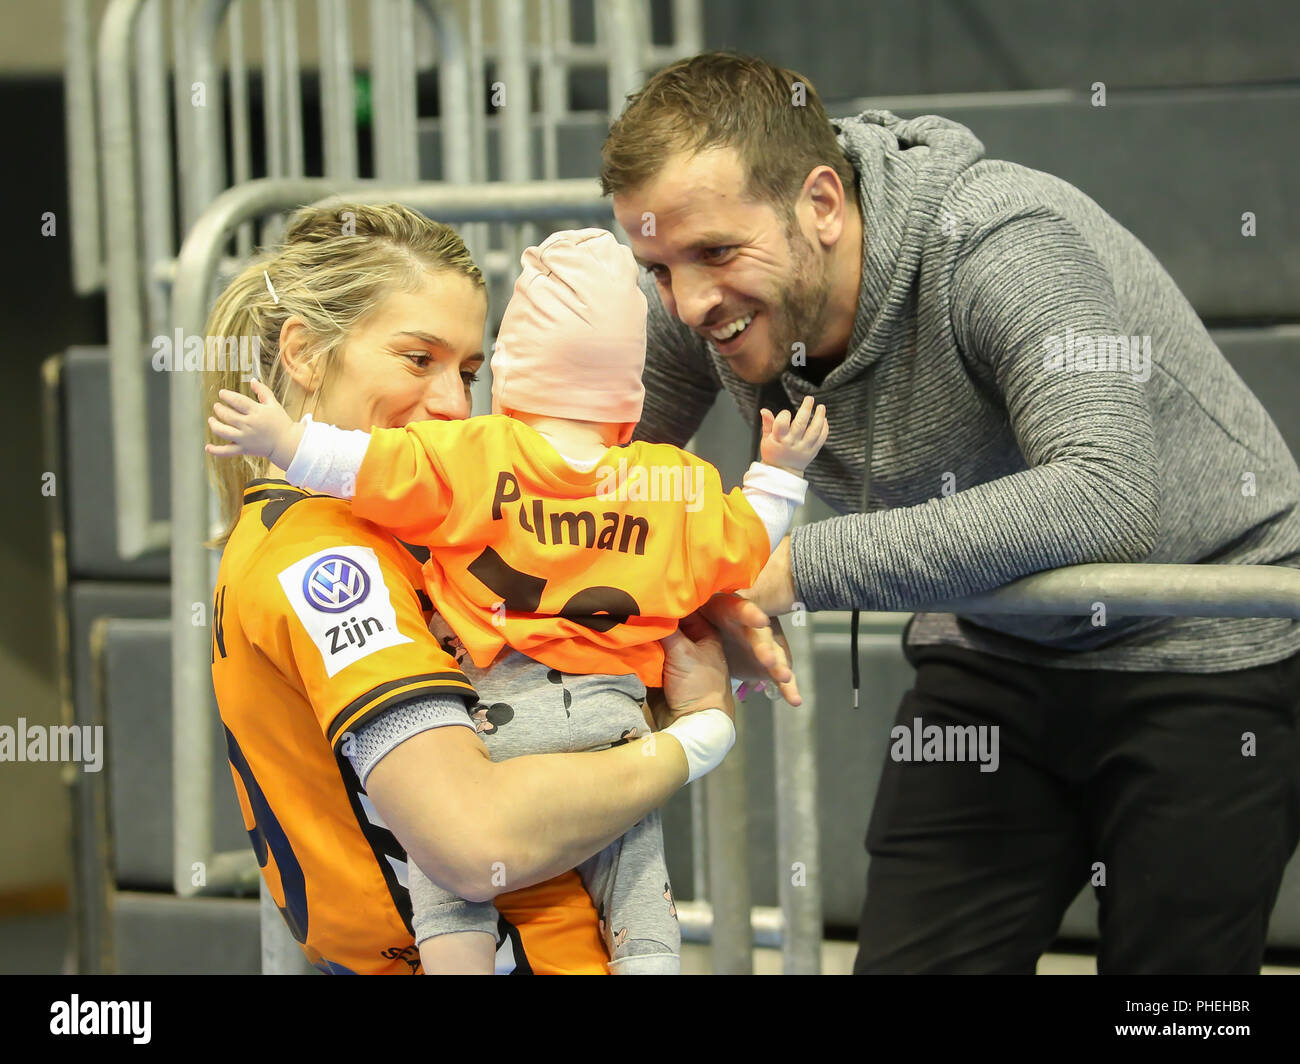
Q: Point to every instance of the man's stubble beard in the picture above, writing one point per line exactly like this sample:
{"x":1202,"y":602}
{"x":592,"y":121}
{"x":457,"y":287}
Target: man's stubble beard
{"x":799,"y":315}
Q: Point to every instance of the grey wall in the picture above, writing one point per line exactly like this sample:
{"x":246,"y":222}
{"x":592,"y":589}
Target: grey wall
{"x":41,"y":317}
{"x":889,"y":47}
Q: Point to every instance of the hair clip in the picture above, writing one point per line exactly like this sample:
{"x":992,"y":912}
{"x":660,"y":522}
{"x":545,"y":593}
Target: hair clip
{"x":271,"y":288}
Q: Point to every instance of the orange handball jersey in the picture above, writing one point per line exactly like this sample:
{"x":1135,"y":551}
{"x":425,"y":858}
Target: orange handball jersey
{"x":318,"y":626}
{"x":584,"y":572}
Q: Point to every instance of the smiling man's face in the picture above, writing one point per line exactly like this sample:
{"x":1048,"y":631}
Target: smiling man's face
{"x":720,"y":259}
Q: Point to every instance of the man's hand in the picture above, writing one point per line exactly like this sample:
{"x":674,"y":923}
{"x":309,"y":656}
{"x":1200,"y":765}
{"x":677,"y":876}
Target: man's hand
{"x":755,"y":648}
{"x":261,"y":428}
{"x":773,"y":591}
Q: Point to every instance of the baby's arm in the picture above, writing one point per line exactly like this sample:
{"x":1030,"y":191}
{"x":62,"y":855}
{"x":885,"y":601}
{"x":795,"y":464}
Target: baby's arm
{"x":254,"y":427}
{"x":775,"y":487}
{"x":313,"y":455}
{"x":406,"y":489}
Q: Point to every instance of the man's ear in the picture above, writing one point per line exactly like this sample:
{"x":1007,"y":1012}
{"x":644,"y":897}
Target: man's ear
{"x":824,"y":192}
{"x":303,"y":371}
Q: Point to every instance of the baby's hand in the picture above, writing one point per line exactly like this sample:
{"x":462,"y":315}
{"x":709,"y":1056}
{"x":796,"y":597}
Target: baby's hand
{"x":261,"y":428}
{"x":791,"y":445}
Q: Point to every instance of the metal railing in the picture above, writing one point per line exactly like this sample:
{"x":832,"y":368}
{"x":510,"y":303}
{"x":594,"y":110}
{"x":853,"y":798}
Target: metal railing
{"x":133,"y":149}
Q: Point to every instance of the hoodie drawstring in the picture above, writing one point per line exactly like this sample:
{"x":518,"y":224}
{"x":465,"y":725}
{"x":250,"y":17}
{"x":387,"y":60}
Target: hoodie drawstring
{"x":862,"y":506}
{"x":868,"y":434}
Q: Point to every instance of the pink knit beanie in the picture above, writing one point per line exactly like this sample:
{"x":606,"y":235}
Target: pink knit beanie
{"x":572,"y":340}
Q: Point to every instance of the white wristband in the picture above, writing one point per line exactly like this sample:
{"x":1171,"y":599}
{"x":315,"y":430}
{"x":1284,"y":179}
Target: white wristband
{"x":706,"y":737}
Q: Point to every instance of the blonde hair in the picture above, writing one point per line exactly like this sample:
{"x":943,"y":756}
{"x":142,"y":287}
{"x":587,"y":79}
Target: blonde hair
{"x":333,"y":266}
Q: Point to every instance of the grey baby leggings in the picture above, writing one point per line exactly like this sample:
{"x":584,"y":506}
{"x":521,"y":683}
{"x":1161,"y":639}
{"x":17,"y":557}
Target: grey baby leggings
{"x":526,"y":708}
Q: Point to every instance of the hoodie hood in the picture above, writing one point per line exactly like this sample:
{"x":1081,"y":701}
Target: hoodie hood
{"x":905,"y":169}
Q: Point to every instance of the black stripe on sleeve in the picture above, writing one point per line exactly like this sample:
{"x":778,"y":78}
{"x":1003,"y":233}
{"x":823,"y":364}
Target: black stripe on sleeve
{"x":386,"y":695}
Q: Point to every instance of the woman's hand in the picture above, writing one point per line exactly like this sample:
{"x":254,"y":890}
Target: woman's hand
{"x":695,"y":673}
{"x":756,"y":649}
{"x":261,"y":428}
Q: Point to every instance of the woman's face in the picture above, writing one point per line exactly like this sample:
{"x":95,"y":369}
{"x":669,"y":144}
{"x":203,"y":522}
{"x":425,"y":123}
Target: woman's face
{"x":413,"y":358}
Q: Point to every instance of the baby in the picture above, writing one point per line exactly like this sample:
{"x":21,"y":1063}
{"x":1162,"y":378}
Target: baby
{"x":555,"y":539}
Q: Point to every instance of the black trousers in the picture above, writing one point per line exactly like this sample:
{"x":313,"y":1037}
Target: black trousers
{"x":1180,"y":791}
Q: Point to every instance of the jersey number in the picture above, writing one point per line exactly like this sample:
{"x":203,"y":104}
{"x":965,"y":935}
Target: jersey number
{"x":598,"y":608}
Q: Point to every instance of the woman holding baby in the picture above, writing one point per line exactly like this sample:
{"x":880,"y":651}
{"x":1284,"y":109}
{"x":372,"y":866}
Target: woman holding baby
{"x":354,"y":732}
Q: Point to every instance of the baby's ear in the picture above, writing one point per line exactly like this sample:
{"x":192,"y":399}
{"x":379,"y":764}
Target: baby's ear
{"x":625,"y":433}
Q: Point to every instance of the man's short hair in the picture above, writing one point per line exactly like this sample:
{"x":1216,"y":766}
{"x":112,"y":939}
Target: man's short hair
{"x":772,"y":117}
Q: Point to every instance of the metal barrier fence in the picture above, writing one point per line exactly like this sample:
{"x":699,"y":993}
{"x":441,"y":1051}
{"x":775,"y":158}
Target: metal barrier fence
{"x":135,"y":257}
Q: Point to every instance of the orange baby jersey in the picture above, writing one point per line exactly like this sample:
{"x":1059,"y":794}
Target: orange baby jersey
{"x":318,"y":626}
{"x":584,"y":572}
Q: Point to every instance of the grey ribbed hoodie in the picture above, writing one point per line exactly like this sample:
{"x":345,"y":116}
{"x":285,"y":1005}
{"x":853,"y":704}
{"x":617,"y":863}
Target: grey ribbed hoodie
{"x":990,"y":459}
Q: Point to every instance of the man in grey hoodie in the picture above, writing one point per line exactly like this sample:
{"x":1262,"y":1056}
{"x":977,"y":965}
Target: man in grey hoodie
{"x":1013,"y":384}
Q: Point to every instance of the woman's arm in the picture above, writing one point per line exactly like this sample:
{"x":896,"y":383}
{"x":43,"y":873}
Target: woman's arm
{"x":481,"y":828}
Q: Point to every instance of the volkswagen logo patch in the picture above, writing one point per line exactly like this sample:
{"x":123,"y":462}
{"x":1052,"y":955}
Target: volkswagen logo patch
{"x":335,"y":583}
